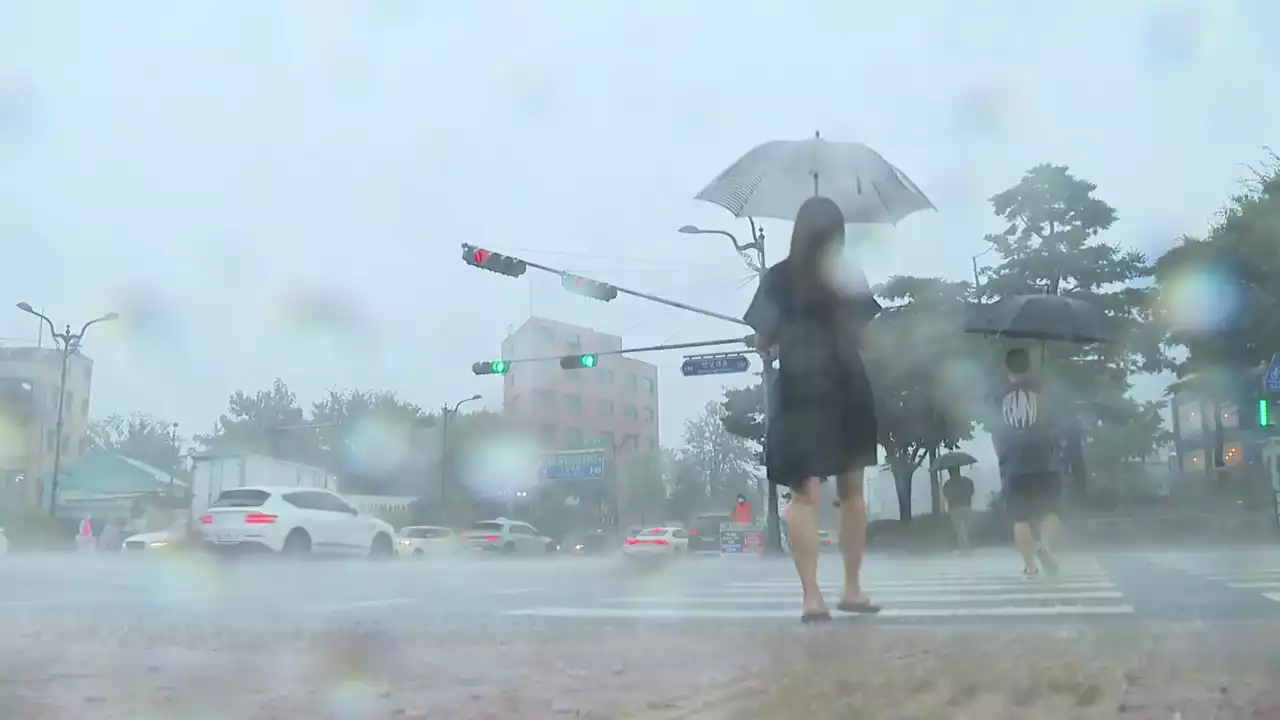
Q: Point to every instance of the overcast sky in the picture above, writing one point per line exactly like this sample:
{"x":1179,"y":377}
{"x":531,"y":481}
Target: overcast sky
{"x":271,"y":189}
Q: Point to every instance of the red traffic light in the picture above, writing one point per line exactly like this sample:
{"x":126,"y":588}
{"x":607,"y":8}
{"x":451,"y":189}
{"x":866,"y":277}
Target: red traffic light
{"x":480,"y":255}
{"x":492,"y":261}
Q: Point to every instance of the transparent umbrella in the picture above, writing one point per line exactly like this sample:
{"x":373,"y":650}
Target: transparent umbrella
{"x":774,"y":179}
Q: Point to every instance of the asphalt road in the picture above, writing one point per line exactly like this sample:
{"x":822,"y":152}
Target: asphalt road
{"x":1114,"y":635}
{"x":491,"y":592}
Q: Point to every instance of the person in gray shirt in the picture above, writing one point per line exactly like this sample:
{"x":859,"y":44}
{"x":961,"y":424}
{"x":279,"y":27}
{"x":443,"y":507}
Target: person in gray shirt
{"x":1024,"y":430}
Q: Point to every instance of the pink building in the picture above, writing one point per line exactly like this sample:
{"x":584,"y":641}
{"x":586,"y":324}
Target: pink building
{"x":613,"y":405}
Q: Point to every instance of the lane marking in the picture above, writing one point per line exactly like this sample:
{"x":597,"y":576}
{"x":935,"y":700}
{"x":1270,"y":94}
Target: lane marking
{"x":730,"y":614}
{"x":516,"y":591}
{"x":1255,"y":585}
{"x":926,"y":587}
{"x":1272,"y":596}
{"x":912,"y":598}
{"x":363,"y":604}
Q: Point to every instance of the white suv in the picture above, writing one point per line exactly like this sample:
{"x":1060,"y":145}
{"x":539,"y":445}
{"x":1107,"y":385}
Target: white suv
{"x":508,"y":537}
{"x":293,"y":521}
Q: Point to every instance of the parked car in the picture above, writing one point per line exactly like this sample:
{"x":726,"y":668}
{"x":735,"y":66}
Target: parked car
{"x":598,"y":542}
{"x":293,"y":521}
{"x":826,"y":541}
{"x":508,"y":537}
{"x":420,"y":541}
{"x":657,"y":542}
{"x":174,"y":537}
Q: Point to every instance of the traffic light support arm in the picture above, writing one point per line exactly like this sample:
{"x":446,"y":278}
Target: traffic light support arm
{"x":648,"y":348}
{"x":636,"y":293}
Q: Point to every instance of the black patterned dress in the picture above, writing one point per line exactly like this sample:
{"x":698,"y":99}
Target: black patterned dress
{"x":822,"y":415}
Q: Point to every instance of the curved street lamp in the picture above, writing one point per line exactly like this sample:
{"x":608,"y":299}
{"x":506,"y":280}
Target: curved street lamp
{"x":445,"y":412}
{"x":69,"y":343}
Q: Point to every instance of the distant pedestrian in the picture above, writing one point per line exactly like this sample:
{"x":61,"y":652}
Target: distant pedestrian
{"x":823,"y":422}
{"x":741,"y":511}
{"x":1024,"y":430}
{"x":958,"y":491}
{"x":85,"y":540}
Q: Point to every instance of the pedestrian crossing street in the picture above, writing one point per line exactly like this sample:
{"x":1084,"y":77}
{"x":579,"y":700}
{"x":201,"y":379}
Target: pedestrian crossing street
{"x":1253,"y":571}
{"x":959,"y":587}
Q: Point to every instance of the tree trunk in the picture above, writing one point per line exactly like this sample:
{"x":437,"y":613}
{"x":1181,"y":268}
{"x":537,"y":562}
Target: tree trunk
{"x":902,"y":473}
{"x":935,"y":485}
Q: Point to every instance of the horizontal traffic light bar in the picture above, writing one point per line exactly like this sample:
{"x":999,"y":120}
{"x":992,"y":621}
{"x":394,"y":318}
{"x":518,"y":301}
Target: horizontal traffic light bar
{"x":590,"y":360}
{"x":486,"y":259}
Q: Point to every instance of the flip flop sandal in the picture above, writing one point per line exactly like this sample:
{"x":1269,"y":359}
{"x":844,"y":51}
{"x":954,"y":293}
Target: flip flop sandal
{"x":1048,"y":561}
{"x":862,"y":608}
{"x":815,"y":617}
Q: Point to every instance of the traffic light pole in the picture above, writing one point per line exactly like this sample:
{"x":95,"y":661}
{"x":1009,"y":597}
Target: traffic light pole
{"x":647,"y":348}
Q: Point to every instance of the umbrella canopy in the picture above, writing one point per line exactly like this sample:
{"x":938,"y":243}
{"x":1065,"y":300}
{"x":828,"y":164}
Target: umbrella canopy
{"x":774,"y":179}
{"x":953,"y":460}
{"x":1041,"y":317}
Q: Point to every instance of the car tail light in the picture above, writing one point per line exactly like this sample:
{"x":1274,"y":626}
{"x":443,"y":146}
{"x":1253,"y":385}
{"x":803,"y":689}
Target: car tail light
{"x":491,"y":538}
{"x":659,"y":541}
{"x":692,"y":533}
{"x":632,"y":541}
{"x":259,"y":519}
{"x":206,"y":520}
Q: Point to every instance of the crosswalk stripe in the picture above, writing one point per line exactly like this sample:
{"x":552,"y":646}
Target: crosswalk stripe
{"x":641,"y":613}
{"x":920,"y":598}
{"x":882,"y":588}
{"x":1255,"y":585}
{"x":1272,"y":596}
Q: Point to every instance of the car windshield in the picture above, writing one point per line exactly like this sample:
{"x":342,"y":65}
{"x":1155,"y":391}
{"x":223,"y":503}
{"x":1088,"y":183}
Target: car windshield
{"x":655,"y":532}
{"x":487,"y":526}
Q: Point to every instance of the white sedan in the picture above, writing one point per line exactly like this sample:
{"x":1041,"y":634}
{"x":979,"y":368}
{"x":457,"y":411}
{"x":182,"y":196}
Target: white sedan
{"x":419,"y":541}
{"x":657,"y":542}
{"x":171,"y":538}
{"x":293,"y":521}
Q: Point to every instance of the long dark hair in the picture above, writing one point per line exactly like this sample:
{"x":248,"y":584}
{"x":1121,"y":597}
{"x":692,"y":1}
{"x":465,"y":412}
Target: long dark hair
{"x":819,"y":226}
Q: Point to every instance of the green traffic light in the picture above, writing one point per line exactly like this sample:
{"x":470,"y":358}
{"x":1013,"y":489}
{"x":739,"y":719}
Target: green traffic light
{"x":1264,"y":413}
{"x":498,"y":367}
{"x":588,"y":361}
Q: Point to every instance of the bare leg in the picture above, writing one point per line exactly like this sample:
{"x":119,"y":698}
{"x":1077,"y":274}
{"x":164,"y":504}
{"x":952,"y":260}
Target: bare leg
{"x":1026,"y":545}
{"x":853,"y":534}
{"x":1049,"y":527}
{"x":802,"y":535}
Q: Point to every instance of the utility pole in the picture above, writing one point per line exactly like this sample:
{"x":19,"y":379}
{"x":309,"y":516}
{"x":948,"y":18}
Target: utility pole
{"x":773,"y":533}
{"x":445,"y":464}
{"x":69,"y":343}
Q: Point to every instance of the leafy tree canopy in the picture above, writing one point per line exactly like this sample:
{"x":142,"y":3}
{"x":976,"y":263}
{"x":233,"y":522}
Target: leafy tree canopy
{"x":142,"y":437}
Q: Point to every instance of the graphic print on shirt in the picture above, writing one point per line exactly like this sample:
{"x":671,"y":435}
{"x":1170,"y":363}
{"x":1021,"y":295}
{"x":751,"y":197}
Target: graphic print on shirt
{"x":1020,"y":408}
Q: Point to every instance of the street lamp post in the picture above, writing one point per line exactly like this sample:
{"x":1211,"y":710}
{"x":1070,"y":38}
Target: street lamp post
{"x":177,"y":454}
{"x":773,"y":534}
{"x":70,"y":343}
{"x":445,"y":465}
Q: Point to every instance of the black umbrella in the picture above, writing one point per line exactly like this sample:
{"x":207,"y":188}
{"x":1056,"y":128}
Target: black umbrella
{"x":952,"y":460}
{"x":1041,"y":317}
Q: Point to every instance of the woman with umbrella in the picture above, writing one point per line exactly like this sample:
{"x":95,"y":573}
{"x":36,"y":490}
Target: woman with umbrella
{"x":824,"y":420}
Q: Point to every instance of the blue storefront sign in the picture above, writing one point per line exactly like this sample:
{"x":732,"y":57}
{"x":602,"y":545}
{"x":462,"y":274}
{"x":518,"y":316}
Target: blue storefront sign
{"x":573,"y":466}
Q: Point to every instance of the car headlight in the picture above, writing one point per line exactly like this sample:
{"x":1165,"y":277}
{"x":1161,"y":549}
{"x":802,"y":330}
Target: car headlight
{"x":158,"y":543}
{"x":404,"y":543}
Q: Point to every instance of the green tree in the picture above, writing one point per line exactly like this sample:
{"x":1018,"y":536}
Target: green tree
{"x":922,"y":371}
{"x":372,"y":440}
{"x":142,"y":437}
{"x":1218,"y":293}
{"x":1053,"y":244}
{"x":724,"y":460}
{"x":266,"y":422}
{"x":689,"y":494}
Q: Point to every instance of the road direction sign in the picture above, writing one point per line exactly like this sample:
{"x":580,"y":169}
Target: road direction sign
{"x":715,"y":365}
{"x":1272,"y":380}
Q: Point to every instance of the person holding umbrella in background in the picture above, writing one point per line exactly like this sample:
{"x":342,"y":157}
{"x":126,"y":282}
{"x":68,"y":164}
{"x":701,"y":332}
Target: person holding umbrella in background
{"x":958,"y":493}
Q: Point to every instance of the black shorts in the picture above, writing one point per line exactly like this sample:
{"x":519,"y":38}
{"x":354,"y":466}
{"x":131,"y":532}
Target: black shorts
{"x":1029,"y":498}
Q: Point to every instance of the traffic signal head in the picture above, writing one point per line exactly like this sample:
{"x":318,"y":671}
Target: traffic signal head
{"x":1264,"y":412}
{"x":492,"y":261}
{"x":577,"y":362}
{"x":588,"y":288}
{"x":494,"y":367}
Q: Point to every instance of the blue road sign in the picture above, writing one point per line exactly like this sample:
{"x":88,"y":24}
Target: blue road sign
{"x":1271,"y":382}
{"x":717,"y":365}
{"x":573,"y":466}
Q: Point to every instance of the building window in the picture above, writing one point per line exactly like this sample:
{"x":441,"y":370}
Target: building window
{"x":573,"y":403}
{"x":574,"y":342}
{"x":606,"y":377}
{"x":545,"y":399}
{"x":1190,"y":424}
{"x":631,"y":381}
{"x":1232,"y":454}
{"x":1230,"y":416}
{"x":631,"y":442}
{"x":649,"y":386}
{"x":546,"y":335}
{"x":629,"y":412}
{"x":606,"y":408}
{"x":648,"y":415}
{"x":572,"y":439}
{"x":606,"y":440}
{"x":547,"y":434}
